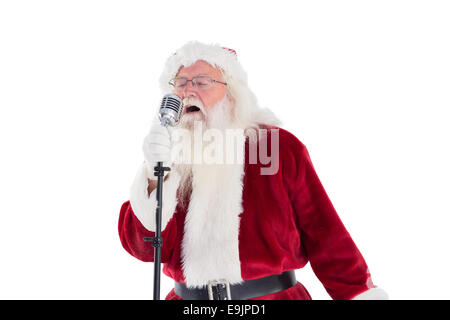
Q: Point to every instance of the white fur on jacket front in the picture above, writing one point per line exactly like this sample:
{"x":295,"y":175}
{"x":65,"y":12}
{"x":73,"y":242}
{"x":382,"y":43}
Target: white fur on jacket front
{"x":210,"y":248}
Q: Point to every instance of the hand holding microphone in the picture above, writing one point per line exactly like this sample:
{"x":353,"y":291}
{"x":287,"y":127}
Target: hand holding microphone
{"x":157,"y":144}
{"x":157,"y":147}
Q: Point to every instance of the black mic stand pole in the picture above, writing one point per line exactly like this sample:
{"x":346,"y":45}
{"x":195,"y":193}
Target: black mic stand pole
{"x":157,"y":240}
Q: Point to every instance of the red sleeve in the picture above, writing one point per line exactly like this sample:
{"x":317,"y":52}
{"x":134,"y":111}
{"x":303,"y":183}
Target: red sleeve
{"x":333,"y":255}
{"x":132,"y":233}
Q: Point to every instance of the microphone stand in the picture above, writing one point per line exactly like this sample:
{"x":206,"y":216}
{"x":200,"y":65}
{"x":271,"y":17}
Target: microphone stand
{"x":157,"y":240}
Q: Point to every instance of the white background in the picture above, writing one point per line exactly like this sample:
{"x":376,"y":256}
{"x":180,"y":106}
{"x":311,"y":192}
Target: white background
{"x":364,"y":84}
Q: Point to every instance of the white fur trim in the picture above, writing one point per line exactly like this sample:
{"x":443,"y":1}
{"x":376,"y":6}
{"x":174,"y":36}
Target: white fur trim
{"x":372,"y":294}
{"x":144,"y":206}
{"x":210,"y":248}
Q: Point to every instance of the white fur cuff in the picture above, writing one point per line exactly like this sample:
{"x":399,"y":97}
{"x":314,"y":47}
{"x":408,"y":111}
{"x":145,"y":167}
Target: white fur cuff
{"x":372,"y":294}
{"x":144,"y":206}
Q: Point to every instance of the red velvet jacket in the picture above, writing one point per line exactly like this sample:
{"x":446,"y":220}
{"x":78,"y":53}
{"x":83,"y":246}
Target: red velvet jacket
{"x":287,"y":220}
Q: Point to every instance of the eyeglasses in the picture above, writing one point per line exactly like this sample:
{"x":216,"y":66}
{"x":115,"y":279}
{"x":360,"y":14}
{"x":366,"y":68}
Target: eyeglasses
{"x":201,"y":82}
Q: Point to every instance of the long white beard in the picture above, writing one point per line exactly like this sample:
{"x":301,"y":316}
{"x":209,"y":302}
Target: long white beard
{"x":219,"y":117}
{"x":211,"y":194}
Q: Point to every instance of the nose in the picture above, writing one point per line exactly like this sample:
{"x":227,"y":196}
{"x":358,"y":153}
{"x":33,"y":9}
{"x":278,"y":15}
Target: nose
{"x":189,"y":91}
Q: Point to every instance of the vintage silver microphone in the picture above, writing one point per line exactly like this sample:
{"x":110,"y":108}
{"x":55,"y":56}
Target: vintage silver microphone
{"x":169,"y":114}
{"x":170,"y":110}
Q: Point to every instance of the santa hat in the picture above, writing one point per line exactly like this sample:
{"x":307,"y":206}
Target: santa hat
{"x":248,"y":113}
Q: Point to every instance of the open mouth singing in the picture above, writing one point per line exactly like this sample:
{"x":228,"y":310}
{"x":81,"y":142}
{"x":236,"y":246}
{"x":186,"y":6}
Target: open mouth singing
{"x":192,"y":109}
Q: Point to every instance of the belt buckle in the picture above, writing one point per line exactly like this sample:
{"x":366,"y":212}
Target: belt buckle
{"x":220,"y":285}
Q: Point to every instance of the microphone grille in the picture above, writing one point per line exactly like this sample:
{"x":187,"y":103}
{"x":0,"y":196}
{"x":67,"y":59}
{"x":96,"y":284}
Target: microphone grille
{"x":170,"y":110}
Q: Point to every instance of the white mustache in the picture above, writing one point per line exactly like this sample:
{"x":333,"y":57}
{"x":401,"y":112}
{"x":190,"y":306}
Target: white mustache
{"x":190,"y":101}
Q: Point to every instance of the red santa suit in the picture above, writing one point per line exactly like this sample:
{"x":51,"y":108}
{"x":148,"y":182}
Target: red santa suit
{"x":239,"y":224}
{"x":286,"y":220}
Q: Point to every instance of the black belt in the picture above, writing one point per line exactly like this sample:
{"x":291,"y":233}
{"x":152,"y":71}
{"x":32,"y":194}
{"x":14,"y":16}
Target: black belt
{"x":222,"y":290}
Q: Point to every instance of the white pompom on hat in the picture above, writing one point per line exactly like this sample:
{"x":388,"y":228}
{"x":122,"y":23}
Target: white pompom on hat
{"x":248,"y":113}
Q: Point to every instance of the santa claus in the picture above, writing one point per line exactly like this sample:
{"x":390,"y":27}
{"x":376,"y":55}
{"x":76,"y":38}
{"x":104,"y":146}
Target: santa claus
{"x":236,"y":227}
